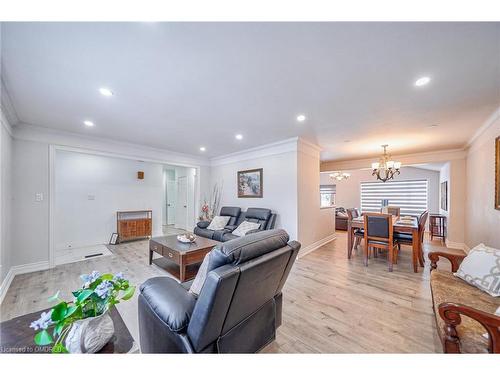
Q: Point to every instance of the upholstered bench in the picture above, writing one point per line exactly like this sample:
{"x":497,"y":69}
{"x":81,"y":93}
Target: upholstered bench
{"x":464,"y":314}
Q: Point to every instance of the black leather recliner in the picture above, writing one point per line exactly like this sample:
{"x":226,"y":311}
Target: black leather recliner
{"x":239,"y":306}
{"x":263,"y":216}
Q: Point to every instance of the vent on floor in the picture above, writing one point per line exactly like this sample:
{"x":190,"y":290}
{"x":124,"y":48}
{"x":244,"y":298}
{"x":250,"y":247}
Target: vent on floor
{"x":93,"y":255}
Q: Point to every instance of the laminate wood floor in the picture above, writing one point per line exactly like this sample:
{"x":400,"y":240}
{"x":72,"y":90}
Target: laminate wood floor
{"x":331,"y":304}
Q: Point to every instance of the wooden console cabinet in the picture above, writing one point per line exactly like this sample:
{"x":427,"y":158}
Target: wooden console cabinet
{"x":131,"y":225}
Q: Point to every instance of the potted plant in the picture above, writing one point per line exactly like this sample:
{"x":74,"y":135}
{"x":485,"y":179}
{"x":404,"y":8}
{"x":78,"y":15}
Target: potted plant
{"x":83,"y":325}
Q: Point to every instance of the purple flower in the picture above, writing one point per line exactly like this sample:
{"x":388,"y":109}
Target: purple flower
{"x":89,"y":279}
{"x":119,"y":277}
{"x":44,"y":322}
{"x":104,"y":289}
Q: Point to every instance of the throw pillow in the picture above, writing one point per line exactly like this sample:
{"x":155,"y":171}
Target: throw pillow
{"x":219,"y":222}
{"x":481,"y":268}
{"x":245,"y":227}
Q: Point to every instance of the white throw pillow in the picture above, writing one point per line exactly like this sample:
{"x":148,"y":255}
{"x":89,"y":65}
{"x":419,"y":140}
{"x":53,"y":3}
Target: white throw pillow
{"x":219,"y":222}
{"x":481,"y":268}
{"x":201,"y":276}
{"x":245,"y":227}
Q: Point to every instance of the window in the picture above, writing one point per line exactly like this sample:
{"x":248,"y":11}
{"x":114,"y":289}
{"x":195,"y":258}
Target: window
{"x":327,"y":195}
{"x":410,"y":196}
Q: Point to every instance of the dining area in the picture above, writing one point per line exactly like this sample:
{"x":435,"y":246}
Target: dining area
{"x":385,"y":233}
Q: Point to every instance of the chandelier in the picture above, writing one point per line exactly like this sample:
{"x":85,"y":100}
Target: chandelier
{"x":386,"y":168}
{"x":339,"y":176}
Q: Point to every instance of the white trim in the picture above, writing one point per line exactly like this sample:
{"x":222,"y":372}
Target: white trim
{"x":52,"y":204}
{"x":7,"y":106}
{"x":316,"y":245}
{"x":407,"y":159}
{"x":456,"y":245}
{"x":19,"y":270}
{"x":6,"y":284}
{"x":5,"y":121}
{"x":281,"y":147}
{"x":308,"y":148}
{"x":493,"y":117}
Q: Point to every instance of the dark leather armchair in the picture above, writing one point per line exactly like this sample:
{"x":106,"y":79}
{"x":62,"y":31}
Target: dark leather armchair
{"x":239,"y":306}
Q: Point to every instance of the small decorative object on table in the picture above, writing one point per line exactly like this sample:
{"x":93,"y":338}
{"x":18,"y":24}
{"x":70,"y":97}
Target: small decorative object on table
{"x":186,"y":238}
{"x":83,"y":325}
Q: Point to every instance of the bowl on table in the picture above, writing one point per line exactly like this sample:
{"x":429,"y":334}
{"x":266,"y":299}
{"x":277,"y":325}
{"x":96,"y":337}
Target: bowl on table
{"x":186,"y":238}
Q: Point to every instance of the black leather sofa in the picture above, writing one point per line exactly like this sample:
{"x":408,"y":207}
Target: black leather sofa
{"x":239,"y":306}
{"x":263,"y":216}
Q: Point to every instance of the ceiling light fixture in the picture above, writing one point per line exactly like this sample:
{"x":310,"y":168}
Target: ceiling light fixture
{"x":339,"y":176}
{"x":105,"y":91}
{"x":202,"y":149}
{"x":88,"y":123}
{"x":239,"y":137}
{"x":386,"y":168}
{"x":422,"y":81}
{"x":301,"y":118}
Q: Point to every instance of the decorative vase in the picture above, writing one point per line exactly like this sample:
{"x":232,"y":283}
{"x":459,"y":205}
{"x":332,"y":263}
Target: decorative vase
{"x":90,"y":335}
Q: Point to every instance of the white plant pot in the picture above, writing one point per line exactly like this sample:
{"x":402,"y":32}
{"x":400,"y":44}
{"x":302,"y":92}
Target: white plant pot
{"x":90,"y":335}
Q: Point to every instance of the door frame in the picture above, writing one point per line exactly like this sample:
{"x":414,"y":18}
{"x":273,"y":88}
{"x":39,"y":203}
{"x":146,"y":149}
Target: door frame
{"x":52,"y":183}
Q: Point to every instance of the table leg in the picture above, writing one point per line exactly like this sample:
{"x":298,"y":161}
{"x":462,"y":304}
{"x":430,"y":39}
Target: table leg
{"x":416,"y":247}
{"x":150,"y":256}
{"x":182,"y":271}
{"x":350,"y":235}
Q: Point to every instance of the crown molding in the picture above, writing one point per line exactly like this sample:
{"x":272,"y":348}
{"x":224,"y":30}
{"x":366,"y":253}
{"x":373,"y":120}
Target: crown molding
{"x":6,"y":103}
{"x":5,"y":121}
{"x":275,"y":148}
{"x":405,"y":159}
{"x":486,"y":125}
{"x":35,"y":133}
{"x":309,"y":148}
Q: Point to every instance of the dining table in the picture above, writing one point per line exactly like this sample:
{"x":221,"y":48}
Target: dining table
{"x":400,"y":226}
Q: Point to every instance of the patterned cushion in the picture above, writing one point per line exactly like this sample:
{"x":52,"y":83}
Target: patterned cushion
{"x":245,"y":227}
{"x":448,"y":288}
{"x":481,"y":268}
{"x":219,"y":222}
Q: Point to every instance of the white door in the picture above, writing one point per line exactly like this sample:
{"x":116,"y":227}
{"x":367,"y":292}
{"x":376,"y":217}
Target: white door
{"x":182,"y":201}
{"x":171,"y":200}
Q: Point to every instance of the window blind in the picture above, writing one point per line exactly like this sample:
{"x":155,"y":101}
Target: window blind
{"x":410,"y":196}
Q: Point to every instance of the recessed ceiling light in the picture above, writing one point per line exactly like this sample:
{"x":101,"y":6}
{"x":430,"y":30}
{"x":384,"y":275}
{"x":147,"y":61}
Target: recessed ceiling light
{"x":347,"y":141}
{"x":88,"y":123}
{"x":105,"y":91}
{"x":432,"y":126}
{"x":202,"y":149}
{"x":422,"y":81}
{"x":239,"y":137}
{"x":301,"y":118}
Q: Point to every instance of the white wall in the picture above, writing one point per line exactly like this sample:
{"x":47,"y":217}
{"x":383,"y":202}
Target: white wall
{"x":348,"y":193}
{"x":5,"y":196}
{"x":279,"y":186}
{"x":482,"y":220}
{"x":31,"y":175}
{"x":112,"y":182}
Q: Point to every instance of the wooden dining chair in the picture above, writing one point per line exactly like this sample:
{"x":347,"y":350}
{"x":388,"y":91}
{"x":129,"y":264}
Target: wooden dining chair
{"x":394,"y":211}
{"x":359,"y":234}
{"x":379,"y":235}
{"x":406,"y":239}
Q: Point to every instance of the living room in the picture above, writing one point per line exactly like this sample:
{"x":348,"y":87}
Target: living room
{"x":250,"y":187}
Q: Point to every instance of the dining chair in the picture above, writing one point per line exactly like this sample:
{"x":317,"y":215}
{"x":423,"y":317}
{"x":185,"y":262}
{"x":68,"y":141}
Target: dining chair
{"x":359,"y":234}
{"x":394,"y":211}
{"x":406,"y":239}
{"x":379,"y":235}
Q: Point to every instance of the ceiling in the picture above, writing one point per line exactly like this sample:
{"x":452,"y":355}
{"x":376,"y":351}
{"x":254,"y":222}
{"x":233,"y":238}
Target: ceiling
{"x":181,"y":86}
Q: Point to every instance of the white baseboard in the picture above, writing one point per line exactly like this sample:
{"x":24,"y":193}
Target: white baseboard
{"x":19,"y":270}
{"x":457,"y":245}
{"x":310,"y":248}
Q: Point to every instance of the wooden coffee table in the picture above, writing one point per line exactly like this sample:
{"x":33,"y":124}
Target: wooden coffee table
{"x":16,"y":336}
{"x":180,"y":259}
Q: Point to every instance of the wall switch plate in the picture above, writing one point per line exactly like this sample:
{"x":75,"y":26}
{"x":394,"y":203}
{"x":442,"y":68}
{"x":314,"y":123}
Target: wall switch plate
{"x":38,"y":197}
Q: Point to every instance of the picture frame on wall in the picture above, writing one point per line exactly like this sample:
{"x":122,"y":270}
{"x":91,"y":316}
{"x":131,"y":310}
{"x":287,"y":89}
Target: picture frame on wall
{"x":250,"y":183}
{"x":497,"y":173}
{"x":444,"y":195}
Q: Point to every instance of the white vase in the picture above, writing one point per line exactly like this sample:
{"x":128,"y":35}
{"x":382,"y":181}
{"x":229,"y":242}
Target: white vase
{"x":90,"y":335}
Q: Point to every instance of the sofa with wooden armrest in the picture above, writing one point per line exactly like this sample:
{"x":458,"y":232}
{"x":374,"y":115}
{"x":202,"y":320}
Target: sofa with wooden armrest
{"x":465,"y":315}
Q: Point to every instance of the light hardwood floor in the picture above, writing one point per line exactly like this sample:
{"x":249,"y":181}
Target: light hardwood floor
{"x":331,"y":304}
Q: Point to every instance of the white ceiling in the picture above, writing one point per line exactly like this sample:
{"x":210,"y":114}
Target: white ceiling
{"x":184,"y":85}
